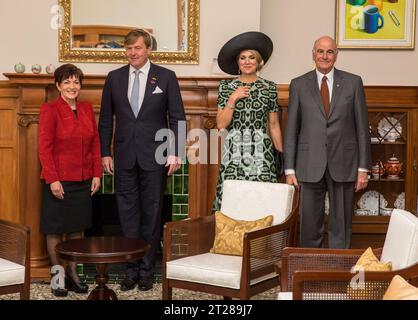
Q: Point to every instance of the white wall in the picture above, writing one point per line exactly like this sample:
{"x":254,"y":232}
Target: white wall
{"x":294,"y":25}
{"x":26,"y":34}
{"x":28,"y":38}
{"x":220,"y":20}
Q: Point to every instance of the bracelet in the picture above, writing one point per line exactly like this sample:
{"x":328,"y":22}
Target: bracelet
{"x":230,"y":106}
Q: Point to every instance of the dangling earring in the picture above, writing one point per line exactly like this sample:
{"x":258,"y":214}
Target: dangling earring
{"x":239,"y":71}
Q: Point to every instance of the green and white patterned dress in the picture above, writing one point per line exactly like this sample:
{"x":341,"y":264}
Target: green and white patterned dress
{"x":248,"y":152}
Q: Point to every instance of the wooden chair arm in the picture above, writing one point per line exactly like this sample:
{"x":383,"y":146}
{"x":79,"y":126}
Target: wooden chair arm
{"x":177,"y":224}
{"x":336,"y":284}
{"x":324,"y":251}
{"x":188,"y":237}
{"x":309,"y":259}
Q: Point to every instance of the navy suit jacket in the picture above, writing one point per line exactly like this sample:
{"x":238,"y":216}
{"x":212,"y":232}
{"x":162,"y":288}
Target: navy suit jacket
{"x":134,"y":138}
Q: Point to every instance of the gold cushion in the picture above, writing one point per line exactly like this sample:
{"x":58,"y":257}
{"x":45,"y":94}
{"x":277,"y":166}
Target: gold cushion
{"x":400,"y":289}
{"x":369,"y":262}
{"x":368,"y":290}
{"x":229,"y":235}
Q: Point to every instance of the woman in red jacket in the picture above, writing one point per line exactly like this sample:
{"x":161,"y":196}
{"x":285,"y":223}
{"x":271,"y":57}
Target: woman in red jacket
{"x":69,"y":151}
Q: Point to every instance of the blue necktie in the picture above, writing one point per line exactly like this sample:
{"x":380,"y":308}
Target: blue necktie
{"x":135,"y":94}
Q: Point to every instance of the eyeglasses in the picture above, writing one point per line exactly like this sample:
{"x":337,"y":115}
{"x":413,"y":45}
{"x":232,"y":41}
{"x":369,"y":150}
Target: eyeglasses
{"x":329,"y":52}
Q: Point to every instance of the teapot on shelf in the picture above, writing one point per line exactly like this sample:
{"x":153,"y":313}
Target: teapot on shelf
{"x":393,"y":167}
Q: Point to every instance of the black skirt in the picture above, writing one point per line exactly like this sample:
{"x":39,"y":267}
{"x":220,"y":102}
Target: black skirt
{"x":72,"y":214}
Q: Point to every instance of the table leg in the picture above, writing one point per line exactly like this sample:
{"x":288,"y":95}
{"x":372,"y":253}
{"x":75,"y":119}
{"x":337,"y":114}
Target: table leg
{"x":102,"y":292}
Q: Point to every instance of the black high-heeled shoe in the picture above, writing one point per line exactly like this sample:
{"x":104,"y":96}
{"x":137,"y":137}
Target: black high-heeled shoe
{"x":76,"y":286}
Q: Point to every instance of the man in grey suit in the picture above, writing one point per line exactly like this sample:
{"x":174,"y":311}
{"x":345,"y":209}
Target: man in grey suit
{"x":327,"y":146}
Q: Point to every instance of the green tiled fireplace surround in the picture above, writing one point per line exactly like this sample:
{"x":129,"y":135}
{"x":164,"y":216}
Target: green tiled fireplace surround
{"x":177,"y":186}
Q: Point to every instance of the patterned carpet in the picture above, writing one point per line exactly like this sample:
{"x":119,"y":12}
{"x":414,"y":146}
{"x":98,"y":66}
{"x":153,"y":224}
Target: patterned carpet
{"x":42,"y":291}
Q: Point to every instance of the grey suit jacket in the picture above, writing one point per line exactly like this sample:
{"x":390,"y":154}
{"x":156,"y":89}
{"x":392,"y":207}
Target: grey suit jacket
{"x":313,"y":141}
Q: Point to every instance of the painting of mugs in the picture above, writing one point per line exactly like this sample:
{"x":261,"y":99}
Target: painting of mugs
{"x":375,"y":24}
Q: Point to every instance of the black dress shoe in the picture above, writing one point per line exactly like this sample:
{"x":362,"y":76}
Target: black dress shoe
{"x":59,"y":292}
{"x":145,"y":284}
{"x":76,"y":286}
{"x":127,"y":284}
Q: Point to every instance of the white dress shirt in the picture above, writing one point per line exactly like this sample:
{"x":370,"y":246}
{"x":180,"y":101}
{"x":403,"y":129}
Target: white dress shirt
{"x":143,"y":76}
{"x":330,"y":83}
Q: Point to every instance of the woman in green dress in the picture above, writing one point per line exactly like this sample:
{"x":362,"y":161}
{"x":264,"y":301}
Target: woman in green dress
{"x":248,"y":110}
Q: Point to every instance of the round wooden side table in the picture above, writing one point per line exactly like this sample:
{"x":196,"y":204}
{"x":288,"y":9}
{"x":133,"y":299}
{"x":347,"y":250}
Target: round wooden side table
{"x":102,"y":251}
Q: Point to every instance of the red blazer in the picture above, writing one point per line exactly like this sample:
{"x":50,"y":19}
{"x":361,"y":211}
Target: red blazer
{"x":69,"y":147}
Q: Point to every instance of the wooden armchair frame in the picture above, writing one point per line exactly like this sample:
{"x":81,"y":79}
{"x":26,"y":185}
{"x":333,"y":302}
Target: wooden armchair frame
{"x":196,"y":236}
{"x":15,"y":247}
{"x":325,"y":274}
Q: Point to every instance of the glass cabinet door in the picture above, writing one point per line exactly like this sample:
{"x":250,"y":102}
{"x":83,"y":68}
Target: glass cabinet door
{"x":386,"y":189}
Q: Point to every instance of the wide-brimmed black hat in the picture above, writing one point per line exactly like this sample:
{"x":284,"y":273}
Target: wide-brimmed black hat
{"x":252,"y":40}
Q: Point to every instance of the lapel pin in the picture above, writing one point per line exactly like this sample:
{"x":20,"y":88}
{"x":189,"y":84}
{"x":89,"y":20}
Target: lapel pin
{"x":153,"y":80}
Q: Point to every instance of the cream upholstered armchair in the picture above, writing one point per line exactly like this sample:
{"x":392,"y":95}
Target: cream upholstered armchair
{"x":324,"y":274}
{"x":189,"y":264}
{"x":14,"y":259}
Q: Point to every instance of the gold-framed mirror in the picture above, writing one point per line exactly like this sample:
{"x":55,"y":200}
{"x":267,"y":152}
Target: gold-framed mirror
{"x":94,"y":33}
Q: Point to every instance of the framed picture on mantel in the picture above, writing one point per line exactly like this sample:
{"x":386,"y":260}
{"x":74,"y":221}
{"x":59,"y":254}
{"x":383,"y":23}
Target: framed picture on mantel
{"x":375,"y":24}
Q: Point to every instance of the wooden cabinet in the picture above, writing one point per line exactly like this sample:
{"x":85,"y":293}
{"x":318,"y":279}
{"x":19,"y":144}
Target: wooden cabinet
{"x":393,"y":180}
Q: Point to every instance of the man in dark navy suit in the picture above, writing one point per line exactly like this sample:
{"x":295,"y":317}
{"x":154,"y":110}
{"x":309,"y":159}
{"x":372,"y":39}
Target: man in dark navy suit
{"x":144,"y":98}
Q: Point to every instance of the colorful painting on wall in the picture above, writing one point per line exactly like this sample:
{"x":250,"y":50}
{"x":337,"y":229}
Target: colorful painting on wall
{"x":375,"y":24}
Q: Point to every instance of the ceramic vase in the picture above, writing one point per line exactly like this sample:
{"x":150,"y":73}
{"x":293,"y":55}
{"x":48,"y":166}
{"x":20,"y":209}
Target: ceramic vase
{"x":36,"y":68}
{"x":19,"y":67}
{"x":50,"y":68}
